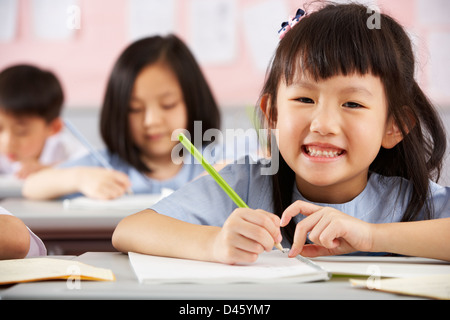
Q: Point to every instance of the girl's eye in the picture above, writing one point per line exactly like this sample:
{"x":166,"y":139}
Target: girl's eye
{"x":169,"y":106}
{"x":134,"y":109}
{"x":352,"y":105}
{"x":305,"y":100}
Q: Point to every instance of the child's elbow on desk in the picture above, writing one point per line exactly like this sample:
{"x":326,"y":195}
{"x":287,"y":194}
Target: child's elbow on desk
{"x":118,"y":238}
{"x":126,"y":235}
{"x":14,"y":238}
{"x":149,"y":232}
{"x":46,"y":184}
{"x":142,"y":232}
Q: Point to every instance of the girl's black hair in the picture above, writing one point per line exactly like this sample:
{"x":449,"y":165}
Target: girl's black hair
{"x":198,"y":98}
{"x":338,"y":40}
{"x":28,"y":90}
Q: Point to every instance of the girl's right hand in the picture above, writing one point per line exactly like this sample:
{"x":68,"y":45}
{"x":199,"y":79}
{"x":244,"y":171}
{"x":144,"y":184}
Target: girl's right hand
{"x":245,"y":234}
{"x":103,"y":184}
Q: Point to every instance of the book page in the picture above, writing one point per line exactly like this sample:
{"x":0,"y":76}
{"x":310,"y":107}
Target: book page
{"x":270,"y":266}
{"x":37,"y":269}
{"x":434,"y":286}
{"x":393,"y":267}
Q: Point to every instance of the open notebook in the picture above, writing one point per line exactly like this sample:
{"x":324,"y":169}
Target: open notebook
{"x":274,"y":266}
{"x":38,"y":269}
{"x":126,"y":202}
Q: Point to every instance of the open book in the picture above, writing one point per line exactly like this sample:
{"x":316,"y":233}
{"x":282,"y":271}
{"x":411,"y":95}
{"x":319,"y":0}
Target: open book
{"x":274,"y":266}
{"x":38,"y":269}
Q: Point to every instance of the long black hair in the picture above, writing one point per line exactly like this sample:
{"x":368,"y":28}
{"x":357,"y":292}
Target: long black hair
{"x":336,"y":40}
{"x":197,"y":95}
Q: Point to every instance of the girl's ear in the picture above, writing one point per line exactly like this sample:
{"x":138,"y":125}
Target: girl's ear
{"x":392,"y":136}
{"x":264,"y":104}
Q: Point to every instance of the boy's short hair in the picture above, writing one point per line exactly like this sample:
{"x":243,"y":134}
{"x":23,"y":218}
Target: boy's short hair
{"x":28,"y":90}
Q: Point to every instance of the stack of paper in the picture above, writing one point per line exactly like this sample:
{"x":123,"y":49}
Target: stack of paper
{"x":390,"y":267}
{"x":274,"y":266}
{"x":413,"y":276}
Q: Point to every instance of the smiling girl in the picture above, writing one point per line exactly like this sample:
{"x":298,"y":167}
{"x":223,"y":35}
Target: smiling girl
{"x":359,"y":143}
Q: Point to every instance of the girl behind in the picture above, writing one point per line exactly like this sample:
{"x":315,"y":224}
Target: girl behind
{"x":155,"y":87}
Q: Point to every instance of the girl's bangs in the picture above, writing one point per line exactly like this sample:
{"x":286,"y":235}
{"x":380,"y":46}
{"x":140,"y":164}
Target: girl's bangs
{"x":320,"y":62}
{"x":312,"y":44}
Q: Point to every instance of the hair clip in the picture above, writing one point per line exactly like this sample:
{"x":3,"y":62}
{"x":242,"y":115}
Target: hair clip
{"x":288,"y":25}
{"x":285,"y":27}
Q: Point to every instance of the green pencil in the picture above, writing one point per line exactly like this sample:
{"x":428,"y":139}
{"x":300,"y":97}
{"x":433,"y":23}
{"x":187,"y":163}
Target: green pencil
{"x":217,"y":177}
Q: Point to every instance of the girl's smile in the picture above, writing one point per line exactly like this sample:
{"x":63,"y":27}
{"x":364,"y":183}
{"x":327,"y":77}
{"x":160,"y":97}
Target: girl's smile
{"x":322,"y":152}
{"x":155,"y":136}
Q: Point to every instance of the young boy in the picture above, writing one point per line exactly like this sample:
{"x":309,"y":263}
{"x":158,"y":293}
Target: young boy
{"x":30,"y":106}
{"x":16,"y":240}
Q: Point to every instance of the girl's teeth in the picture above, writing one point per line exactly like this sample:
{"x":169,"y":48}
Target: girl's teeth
{"x":319,"y":153}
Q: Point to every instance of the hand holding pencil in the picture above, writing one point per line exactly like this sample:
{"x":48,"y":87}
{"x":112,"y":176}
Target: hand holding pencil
{"x":100,"y":183}
{"x":247,"y":232}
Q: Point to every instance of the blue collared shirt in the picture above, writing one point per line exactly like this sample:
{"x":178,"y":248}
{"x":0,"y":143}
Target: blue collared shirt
{"x":202,"y":201}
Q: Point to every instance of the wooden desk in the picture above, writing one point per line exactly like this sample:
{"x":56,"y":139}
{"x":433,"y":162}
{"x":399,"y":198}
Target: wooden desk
{"x":127,"y":286}
{"x":10,"y":186}
{"x":67,"y":231}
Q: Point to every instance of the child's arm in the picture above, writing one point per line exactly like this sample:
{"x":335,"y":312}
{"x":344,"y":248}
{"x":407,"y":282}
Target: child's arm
{"x":14,"y":238}
{"x":245,"y":234}
{"x":28,"y":167}
{"x":334,"y":232}
{"x":94,"y":182}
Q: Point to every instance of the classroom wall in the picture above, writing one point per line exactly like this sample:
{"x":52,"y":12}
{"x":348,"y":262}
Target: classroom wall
{"x":233,"y":40}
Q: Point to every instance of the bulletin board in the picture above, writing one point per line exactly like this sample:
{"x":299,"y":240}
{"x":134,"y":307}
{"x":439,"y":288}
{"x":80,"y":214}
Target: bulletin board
{"x":233,"y":40}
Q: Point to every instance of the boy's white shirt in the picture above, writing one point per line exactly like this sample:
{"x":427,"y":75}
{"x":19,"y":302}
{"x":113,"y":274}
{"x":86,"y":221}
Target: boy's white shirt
{"x":58,"y":148}
{"x":37,"y":247}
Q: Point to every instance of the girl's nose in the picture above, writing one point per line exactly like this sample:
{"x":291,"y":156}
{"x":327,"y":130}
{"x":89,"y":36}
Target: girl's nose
{"x":325,"y":121}
{"x":152,"y":117}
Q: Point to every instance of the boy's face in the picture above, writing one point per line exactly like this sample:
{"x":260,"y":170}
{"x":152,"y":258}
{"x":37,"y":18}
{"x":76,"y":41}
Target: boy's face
{"x":22,"y":138}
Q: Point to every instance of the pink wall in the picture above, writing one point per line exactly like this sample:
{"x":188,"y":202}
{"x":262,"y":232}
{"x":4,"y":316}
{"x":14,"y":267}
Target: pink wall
{"x":83,"y":62}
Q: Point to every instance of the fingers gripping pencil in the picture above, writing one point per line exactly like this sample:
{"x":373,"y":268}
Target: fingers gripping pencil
{"x":217,"y":177}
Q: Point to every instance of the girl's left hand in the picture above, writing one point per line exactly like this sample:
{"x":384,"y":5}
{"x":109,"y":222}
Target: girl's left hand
{"x":332,"y":232}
